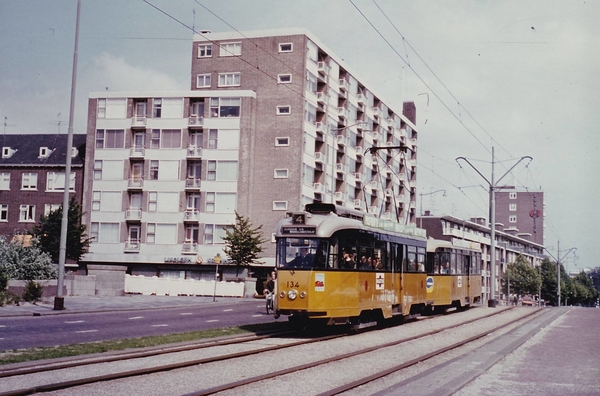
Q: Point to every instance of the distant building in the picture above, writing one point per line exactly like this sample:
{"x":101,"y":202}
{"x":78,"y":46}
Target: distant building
{"x":274,"y":120}
{"x":32,"y":178}
{"x":521,"y":213}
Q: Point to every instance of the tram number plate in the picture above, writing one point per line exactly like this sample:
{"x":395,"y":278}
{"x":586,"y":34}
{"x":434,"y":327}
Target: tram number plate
{"x":292,"y":284}
{"x":299,"y":230}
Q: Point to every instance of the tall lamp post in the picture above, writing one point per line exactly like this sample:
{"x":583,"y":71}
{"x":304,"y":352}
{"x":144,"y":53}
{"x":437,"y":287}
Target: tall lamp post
{"x":493,"y":185}
{"x":421,"y":204}
{"x":558,"y":260}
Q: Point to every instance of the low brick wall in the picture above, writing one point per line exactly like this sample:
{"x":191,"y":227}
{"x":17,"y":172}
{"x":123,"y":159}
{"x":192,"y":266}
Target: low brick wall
{"x":50,"y":287}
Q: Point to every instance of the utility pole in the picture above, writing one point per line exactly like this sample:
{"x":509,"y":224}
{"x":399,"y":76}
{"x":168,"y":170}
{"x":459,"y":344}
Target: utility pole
{"x":59,"y":300}
{"x":493,"y":186}
{"x":558,"y":260}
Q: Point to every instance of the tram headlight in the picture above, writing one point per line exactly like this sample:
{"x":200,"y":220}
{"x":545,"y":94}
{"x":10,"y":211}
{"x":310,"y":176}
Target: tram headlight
{"x":292,"y":294}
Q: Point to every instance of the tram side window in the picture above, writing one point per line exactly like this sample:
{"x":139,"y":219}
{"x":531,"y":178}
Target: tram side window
{"x":410,"y":264}
{"x":399,"y":257}
{"x":467,"y":263}
{"x":476,"y":264}
{"x":421,"y":260}
{"x":453,"y":263}
{"x":460,"y":269}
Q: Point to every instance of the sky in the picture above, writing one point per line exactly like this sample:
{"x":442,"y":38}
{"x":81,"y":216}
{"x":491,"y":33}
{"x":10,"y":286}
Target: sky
{"x":518,"y":76}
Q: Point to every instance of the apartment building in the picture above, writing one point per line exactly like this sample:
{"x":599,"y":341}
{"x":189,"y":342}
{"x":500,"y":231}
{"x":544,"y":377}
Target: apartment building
{"x":476,"y":231}
{"x":274,"y":120}
{"x":32,"y":178}
{"x":522,"y":213}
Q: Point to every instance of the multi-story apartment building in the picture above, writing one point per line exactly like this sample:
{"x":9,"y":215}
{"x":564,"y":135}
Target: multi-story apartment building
{"x":274,"y":120}
{"x":476,"y":231}
{"x":522,"y":213}
{"x":32,"y":178}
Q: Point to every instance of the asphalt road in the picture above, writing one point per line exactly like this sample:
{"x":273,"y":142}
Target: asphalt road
{"x":20,"y":332}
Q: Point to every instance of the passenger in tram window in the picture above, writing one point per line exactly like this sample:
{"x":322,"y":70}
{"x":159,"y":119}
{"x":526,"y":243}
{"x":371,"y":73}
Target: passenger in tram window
{"x":421,"y":267}
{"x":304,"y":260}
{"x":377,"y":264}
{"x":364,"y":263}
{"x":446,"y":268}
{"x":348,"y":260}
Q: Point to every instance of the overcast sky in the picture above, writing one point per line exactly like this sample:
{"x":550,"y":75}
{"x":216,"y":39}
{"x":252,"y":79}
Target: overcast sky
{"x":517,"y":75}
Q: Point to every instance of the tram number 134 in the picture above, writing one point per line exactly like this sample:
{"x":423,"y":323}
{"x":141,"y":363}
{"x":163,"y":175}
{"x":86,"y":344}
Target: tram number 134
{"x":292,"y":284}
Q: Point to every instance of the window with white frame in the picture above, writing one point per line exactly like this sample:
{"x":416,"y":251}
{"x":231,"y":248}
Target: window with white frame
{"x":220,"y":202}
{"x":110,"y":138}
{"x":280,"y":173}
{"x":55,"y":181}
{"x":282,"y":141}
{"x":165,"y":234}
{"x":165,"y":138}
{"x":224,"y":139}
{"x":230,"y":49}
{"x":284,"y":78}
{"x":213,"y":233}
{"x":311,"y":82}
{"x":27,"y":213}
{"x":280,"y":205}
{"x":286,"y":47}
{"x":204,"y":50}
{"x":105,"y":232}
{"x":229,"y":79}
{"x":154,"y":170}
{"x":106,"y":201}
{"x":156,"y":108}
{"x":222,"y":170}
{"x":101,"y":108}
{"x":284,"y":110}
{"x":29,"y":181}
{"x":108,"y":169}
{"x":152,"y":201}
{"x":203,"y":81}
{"x":512,"y":195}
{"x":4,"y":181}
{"x":213,"y":139}
{"x":3,"y":212}
{"x":512,"y":219}
{"x":51,"y":208}
{"x":512,"y":207}
{"x":225,"y":107}
{"x":116,"y":108}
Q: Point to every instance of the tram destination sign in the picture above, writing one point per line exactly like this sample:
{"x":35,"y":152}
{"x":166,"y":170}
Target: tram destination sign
{"x":299,"y":230}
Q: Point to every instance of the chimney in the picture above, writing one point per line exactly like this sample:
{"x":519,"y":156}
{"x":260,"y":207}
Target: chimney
{"x":410,"y":111}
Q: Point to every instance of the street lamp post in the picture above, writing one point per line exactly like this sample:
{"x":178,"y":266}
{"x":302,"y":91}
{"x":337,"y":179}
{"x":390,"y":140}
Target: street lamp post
{"x":421,"y":204}
{"x":558,"y":260}
{"x":493,"y":185}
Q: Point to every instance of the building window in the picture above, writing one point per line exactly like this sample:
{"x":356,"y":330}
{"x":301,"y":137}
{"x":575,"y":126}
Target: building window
{"x":106,"y":201}
{"x":3,"y":212}
{"x":151,"y":233}
{"x":280,"y":174}
{"x":282,"y":141}
{"x":230,"y":49}
{"x":213,"y":233}
{"x":105,"y":232}
{"x":222,"y":171}
{"x":286,"y":47}
{"x":512,"y":195}
{"x":165,"y":138}
{"x":512,"y":219}
{"x":203,"y":81}
{"x":204,"y":50}
{"x":156,"y":107}
{"x":152,"y":201}
{"x":229,"y":79}
{"x":29,"y":181}
{"x":4,"y":181}
{"x":55,"y":181}
{"x":284,"y":110}
{"x":279,"y":205}
{"x":154,"y":170}
{"x":225,"y":107}
{"x":108,"y":169}
{"x":310,"y":113}
{"x":101,"y":108}
{"x":311,"y":82}
{"x":512,"y":207}
{"x":27,"y":213}
{"x":284,"y":78}
{"x":110,"y":138}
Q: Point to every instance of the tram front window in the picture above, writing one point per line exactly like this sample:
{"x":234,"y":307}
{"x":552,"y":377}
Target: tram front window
{"x":301,"y":253}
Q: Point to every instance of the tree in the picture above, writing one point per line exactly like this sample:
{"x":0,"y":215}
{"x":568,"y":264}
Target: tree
{"x":585,"y":293}
{"x":49,"y":228}
{"x":549,"y":282}
{"x":522,"y":277}
{"x":243,"y":243}
{"x":21,"y":262}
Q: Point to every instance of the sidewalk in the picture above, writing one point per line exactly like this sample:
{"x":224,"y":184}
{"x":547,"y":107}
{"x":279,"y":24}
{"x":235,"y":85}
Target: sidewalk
{"x":75,"y":304}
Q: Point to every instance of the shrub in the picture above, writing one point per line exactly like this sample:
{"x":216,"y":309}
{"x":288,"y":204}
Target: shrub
{"x":33,"y":292}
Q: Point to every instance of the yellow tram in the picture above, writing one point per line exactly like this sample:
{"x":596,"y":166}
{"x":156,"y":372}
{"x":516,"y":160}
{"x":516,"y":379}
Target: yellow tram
{"x":339,"y":267}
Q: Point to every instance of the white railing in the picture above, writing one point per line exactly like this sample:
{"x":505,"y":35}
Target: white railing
{"x":139,"y":284}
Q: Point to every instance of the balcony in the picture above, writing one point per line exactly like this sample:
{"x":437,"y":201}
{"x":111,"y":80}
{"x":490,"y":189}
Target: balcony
{"x":194,"y":152}
{"x":195,"y":121}
{"x":132,"y":246}
{"x":137,"y":152}
{"x":135,"y":183}
{"x":323,"y":68}
{"x":359,"y":204}
{"x":191,"y":215}
{"x":386,"y":215}
{"x":320,"y":157}
{"x":321,"y":97}
{"x":138,"y":122}
{"x":321,"y":127}
{"x":340,"y":168}
{"x":373,"y":210}
{"x":342,"y":140}
{"x":358,"y":177}
{"x":192,"y":184}
{"x":361,"y":99}
{"x":319,"y":187}
{"x":133,"y":215}
{"x":340,"y":196}
{"x":189,"y":248}
{"x":343,"y":113}
{"x":376,"y":112}
{"x":389,"y":192}
{"x":344,"y":85}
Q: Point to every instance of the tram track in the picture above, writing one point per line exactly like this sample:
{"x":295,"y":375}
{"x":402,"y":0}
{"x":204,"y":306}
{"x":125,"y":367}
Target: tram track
{"x":86,"y":380}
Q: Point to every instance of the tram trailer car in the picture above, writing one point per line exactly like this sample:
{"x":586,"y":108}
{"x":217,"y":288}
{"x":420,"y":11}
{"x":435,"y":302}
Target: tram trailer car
{"x":341,"y":267}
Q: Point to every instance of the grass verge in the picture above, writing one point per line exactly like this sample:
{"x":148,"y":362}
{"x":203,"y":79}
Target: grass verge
{"x":42,"y":353}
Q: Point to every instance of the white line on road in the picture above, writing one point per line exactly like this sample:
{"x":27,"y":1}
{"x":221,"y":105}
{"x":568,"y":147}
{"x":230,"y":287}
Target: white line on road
{"x":257,"y":316}
{"x":2,"y":326}
{"x":136,"y":317}
{"x":86,"y":331}
{"x":186,"y":313}
{"x":227,"y":310}
{"x":75,"y":321}
{"x":212,"y":320}
{"x":160,"y":325}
